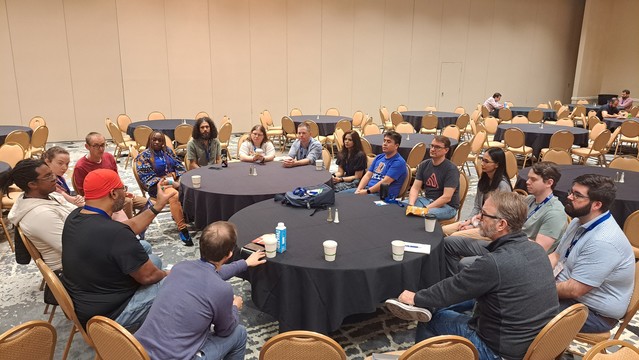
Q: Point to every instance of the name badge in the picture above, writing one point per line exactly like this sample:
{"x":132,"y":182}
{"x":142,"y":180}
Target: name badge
{"x":557,"y":269}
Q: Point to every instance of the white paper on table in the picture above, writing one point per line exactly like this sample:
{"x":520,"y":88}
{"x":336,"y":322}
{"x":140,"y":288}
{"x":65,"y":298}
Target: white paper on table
{"x":417,"y":248}
{"x":380,"y":203}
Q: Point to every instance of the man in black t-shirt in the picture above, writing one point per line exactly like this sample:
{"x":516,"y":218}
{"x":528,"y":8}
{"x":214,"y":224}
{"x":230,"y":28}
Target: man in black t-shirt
{"x":106,"y":270}
{"x":610,"y":110}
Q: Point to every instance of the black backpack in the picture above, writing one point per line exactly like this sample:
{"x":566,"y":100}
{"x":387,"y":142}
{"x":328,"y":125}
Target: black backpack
{"x":312,"y":197}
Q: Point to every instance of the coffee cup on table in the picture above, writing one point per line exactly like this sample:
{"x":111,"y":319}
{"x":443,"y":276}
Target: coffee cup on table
{"x":197,"y":181}
{"x":398,"y":250}
{"x":330,"y":250}
{"x":270,"y":245}
{"x":319,"y":165}
{"x":429,"y":222}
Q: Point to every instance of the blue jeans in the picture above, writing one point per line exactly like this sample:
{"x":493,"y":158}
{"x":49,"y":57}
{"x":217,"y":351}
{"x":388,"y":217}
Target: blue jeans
{"x":452,"y":321}
{"x":442,"y":213}
{"x":138,"y":307}
{"x":594,"y":323}
{"x":149,"y":250}
{"x":216,"y":347}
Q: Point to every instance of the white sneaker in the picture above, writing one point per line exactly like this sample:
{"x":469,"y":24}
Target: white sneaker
{"x":408,"y":312}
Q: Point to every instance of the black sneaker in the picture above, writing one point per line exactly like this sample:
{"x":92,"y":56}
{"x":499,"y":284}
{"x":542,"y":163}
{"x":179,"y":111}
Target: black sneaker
{"x":186,"y":238}
{"x":408,"y":312}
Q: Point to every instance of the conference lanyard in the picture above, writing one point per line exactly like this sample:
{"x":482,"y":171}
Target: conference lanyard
{"x":539,"y":206}
{"x":99,"y":211}
{"x":592,"y":226}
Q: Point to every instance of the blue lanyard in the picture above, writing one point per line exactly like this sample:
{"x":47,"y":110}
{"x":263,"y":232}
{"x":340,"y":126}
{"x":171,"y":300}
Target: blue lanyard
{"x":99,"y":211}
{"x":539,"y":206}
{"x":63,"y":184}
{"x":592,"y":226}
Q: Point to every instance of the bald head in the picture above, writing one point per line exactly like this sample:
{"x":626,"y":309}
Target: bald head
{"x":217,"y":241}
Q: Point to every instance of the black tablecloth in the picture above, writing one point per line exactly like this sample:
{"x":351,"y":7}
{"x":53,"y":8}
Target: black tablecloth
{"x":325,"y":123}
{"x":224,"y":192}
{"x":305,"y":292}
{"x":587,"y":106}
{"x":539,"y":138}
{"x":415,"y":117}
{"x":549,"y":114}
{"x":407,"y":145}
{"x":627,"y":200}
{"x":6,"y":129}
{"x":167,"y":126}
{"x":613,"y":123}
{"x":4,"y":167}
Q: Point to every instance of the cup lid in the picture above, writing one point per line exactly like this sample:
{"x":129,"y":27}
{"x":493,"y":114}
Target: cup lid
{"x":430,"y":217}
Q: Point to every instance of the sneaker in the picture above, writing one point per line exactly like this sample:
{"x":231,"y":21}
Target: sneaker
{"x":186,"y":238}
{"x":407,"y":312}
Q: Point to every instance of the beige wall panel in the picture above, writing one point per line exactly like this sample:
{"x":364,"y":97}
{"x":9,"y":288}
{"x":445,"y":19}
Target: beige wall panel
{"x":231,"y":62}
{"x":304,"y":55}
{"x":337,"y":55}
{"x":268,"y":58}
{"x":9,"y":104}
{"x":41,"y":61}
{"x":398,"y":30}
{"x":92,"y":33}
{"x":189,"y":57}
{"x":368,"y":34}
{"x":145,"y":70}
{"x":588,"y":75}
{"x":620,"y":70}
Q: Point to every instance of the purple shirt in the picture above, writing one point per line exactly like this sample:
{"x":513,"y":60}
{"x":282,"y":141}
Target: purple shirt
{"x":625,"y":104}
{"x":492,"y":104}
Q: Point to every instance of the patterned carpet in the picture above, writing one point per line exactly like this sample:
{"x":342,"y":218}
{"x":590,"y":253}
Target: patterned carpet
{"x":360,"y":336}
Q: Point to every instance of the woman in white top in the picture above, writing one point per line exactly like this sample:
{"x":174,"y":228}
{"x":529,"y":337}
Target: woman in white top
{"x":257,"y":140}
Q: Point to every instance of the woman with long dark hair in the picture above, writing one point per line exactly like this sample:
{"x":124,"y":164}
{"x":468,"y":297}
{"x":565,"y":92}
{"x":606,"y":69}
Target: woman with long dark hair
{"x":493,"y":178}
{"x":351,"y":162}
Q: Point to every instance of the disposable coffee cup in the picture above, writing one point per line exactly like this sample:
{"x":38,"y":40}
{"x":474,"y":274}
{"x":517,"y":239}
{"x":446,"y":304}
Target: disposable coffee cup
{"x":330,"y":249}
{"x":197,"y":181}
{"x":259,"y":151}
{"x":319,"y":165}
{"x":429,"y":222}
{"x":270,"y":246}
{"x":398,"y":250}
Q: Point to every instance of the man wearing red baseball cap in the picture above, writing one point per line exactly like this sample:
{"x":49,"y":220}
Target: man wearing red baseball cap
{"x":106,"y":270}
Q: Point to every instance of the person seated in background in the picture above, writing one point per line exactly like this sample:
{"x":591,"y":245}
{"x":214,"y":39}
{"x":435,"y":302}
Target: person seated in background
{"x":594,"y":263}
{"x":545,"y":222}
{"x":438,"y":177}
{"x":502,"y":301}
{"x":58,"y":160}
{"x":305,"y":150}
{"x":610,"y":110}
{"x":257,"y":148}
{"x":625,"y":102}
{"x":493,"y":105}
{"x":204,"y":148}
{"x":493,"y":178}
{"x":158,"y":165}
{"x":195,"y":314}
{"x":388,"y":168}
{"x":351,"y":162}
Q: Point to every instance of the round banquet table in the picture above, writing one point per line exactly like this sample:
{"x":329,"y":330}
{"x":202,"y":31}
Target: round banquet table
{"x":303,"y":291}
{"x":587,"y":106}
{"x":444,"y":118}
{"x":6,"y":129}
{"x":538,"y":138}
{"x":407,"y":145}
{"x":167,"y":127}
{"x":4,"y":167}
{"x":613,"y":123}
{"x":626,"y":202}
{"x":549,"y":114}
{"x":325,"y":123}
{"x":225,"y":191}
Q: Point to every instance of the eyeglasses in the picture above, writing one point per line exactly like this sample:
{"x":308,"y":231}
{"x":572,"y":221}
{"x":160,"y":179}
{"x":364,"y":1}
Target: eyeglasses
{"x":49,"y":177}
{"x":125,"y":188}
{"x":98,"y":146}
{"x":482,"y":214}
{"x":437,"y":147}
{"x":577,"y":195}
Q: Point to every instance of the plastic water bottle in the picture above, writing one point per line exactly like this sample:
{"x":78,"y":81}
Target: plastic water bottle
{"x":280,"y":235}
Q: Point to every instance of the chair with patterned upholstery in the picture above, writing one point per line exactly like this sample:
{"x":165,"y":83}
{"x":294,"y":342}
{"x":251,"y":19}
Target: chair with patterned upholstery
{"x":624,"y":351}
{"x":301,"y":344}
{"x":31,"y":340}
{"x":557,"y":335}
{"x":114,"y":342}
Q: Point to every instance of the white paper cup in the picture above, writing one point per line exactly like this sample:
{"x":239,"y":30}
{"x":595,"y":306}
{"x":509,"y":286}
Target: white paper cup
{"x":259,"y":151}
{"x":398,"y":250}
{"x":270,"y":246}
{"x":330,"y":249}
{"x":197,"y":181}
{"x":429,"y":223}
{"x":319,"y":165}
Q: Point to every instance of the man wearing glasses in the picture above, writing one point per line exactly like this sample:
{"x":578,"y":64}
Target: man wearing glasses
{"x":97,"y":158}
{"x":594,"y":263}
{"x":511,"y":288}
{"x":439,"y":178}
{"x":106,"y":269}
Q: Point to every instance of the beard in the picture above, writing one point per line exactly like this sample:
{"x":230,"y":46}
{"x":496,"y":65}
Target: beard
{"x":574,"y":212}
{"x":205,"y":135}
{"x":486,"y":230}
{"x":118,"y":204}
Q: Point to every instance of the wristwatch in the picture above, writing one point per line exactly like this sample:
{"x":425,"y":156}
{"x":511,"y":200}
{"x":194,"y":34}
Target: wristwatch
{"x":368,"y":191}
{"x":154,"y":211}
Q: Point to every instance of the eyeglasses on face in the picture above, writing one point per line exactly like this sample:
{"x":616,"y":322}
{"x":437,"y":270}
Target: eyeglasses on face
{"x":577,"y":195}
{"x":124,"y":188}
{"x":437,"y":147}
{"x":98,"y":146}
{"x":48,"y":177}
{"x":482,"y":214}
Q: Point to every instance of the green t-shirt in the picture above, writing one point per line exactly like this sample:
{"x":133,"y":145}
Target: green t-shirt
{"x":550,"y":220}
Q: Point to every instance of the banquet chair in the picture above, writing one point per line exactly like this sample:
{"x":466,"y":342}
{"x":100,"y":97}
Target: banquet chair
{"x":113,"y":342}
{"x":459,"y":110}
{"x":477,"y":164}
{"x":429,"y":124}
{"x":182,"y":134}
{"x":120,"y":143}
{"x":406,"y":185}
{"x":35,"y":255}
{"x":415,"y":157}
{"x":301,"y":344}
{"x":371,"y":129}
{"x":596,"y":149}
{"x":505,"y":114}
{"x":556,"y":105}
{"x":476,"y":145}
{"x":141,"y":137}
{"x":22,"y":138}
{"x":565,"y":121}
{"x":65,"y":302}
{"x":332,"y":111}
{"x":515,"y":141}
{"x":430,"y":108}
{"x":402,"y":107}
{"x":201,"y":114}
{"x":272,"y":131}
{"x":242,"y":139}
{"x":155,"y":115}
{"x":396,"y":118}
{"x":560,"y":139}
{"x":440,"y":347}
{"x":31,"y":340}
{"x":543,"y":106}
{"x":405,"y":128}
{"x":224,"y":135}
{"x":123,"y":121}
{"x":384,"y":115}
{"x":490,"y":125}
{"x":520,"y":119}
{"x":463,"y":122}
{"x":625,"y":351}
{"x":295,"y":112}
{"x":484,"y":112}
{"x":631,"y":229}
{"x":592,"y":121}
{"x":326,"y":158}
{"x":314,"y":130}
{"x":38,"y":141}
{"x":512,"y":168}
{"x":460,"y":155}
{"x":339,"y":139}
{"x":6,"y":203}
{"x":578,"y":111}
{"x":594,"y":338}
{"x":509,"y":103}
{"x":358,"y":120}
{"x":629,"y":133}
{"x":557,"y":335}
{"x":345,"y":126}
{"x":226,"y":119}
{"x":582,"y":102}
{"x":557,"y":156}
{"x":463,"y":190}
{"x":629,"y":163}
{"x":452,"y":131}
{"x":36,"y":121}
{"x":563,"y":112}
{"x":634,"y":111}
{"x":289,"y":132}
{"x":535,"y":116}
{"x":367,"y":148}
